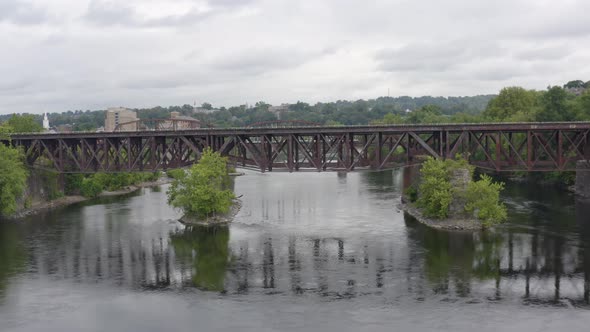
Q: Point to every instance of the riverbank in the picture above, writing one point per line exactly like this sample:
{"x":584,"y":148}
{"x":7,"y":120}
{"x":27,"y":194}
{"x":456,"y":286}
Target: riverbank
{"x":450,"y":224}
{"x":217,"y":220}
{"x":73,"y":199}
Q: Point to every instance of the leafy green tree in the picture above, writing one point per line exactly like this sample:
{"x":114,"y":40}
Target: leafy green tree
{"x":483,"y":199}
{"x":389,"y":118}
{"x":207,"y":106}
{"x":25,"y":123}
{"x":5,"y":131}
{"x":202,"y":190}
{"x":426,"y":114}
{"x":555,"y":106}
{"x":574,"y":84}
{"x":511,"y":103}
{"x":435,"y":190}
{"x":13,"y":178}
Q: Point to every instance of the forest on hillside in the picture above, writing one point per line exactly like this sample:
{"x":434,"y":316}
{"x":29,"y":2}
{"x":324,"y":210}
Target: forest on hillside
{"x":570,"y":102}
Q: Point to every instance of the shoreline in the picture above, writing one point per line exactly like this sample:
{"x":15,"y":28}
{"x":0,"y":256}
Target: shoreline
{"x":449,"y":224}
{"x":73,"y":199}
{"x":217,"y":220}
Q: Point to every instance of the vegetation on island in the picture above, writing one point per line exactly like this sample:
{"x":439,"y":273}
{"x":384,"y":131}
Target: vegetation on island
{"x":436,"y":192}
{"x":93,"y":185}
{"x":203,"y":191}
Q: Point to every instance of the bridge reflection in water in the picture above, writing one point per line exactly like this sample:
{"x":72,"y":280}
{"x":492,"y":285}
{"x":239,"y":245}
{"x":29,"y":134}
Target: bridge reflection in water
{"x":285,"y":243}
{"x":535,"y":267}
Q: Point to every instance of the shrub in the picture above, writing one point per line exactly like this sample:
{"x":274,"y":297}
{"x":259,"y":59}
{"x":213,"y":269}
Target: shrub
{"x":483,"y":200}
{"x":435,"y":192}
{"x":13,"y":178}
{"x":90,"y":187}
{"x":73,"y":183}
{"x":176,"y":173}
{"x":203,"y":190}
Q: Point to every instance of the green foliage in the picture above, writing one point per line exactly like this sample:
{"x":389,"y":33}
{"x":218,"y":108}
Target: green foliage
{"x":13,"y":178}
{"x":555,"y":106}
{"x":574,"y":84}
{"x":5,"y":131}
{"x":389,"y":118}
{"x":49,"y":181}
{"x":73,"y":183}
{"x":207,"y":249}
{"x":25,"y":123}
{"x":90,"y":187}
{"x":483,"y":200}
{"x":176,"y":173}
{"x":202,"y":191}
{"x":435,"y":191}
{"x":95,"y":184}
{"x":512,"y":102}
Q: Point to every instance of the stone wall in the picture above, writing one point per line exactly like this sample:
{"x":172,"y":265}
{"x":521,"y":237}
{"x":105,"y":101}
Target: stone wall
{"x":42,"y":186}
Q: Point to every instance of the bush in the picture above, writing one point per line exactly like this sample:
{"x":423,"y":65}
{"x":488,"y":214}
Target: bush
{"x":176,"y":173}
{"x":90,"y":187}
{"x":435,"y":192}
{"x":483,"y":200}
{"x":73,"y":183}
{"x":203,"y":190}
{"x":13,"y":178}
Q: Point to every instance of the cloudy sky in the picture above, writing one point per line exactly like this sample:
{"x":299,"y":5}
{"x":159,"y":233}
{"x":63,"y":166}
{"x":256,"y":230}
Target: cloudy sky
{"x":60,"y":55}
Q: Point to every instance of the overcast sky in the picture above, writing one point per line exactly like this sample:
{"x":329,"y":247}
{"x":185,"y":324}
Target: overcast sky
{"x":63,"y":55}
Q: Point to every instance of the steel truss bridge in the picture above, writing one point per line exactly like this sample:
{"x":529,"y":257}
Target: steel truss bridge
{"x":495,"y":146}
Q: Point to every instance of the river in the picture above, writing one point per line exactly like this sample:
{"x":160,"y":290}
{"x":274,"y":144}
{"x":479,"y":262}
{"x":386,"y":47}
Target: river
{"x":307,"y":251}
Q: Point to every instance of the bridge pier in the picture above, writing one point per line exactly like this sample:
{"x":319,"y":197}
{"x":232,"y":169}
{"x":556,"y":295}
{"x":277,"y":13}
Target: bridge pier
{"x":583,"y":178}
{"x":411,"y":181}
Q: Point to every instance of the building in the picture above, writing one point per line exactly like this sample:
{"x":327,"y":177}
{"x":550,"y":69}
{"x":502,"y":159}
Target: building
{"x":277,"y":110}
{"x":182,"y":122}
{"x":116,"y":116}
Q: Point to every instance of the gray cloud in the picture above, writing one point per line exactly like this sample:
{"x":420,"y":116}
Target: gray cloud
{"x":110,"y":13}
{"x":87,"y":54}
{"x":19,"y":12}
{"x":434,"y":56}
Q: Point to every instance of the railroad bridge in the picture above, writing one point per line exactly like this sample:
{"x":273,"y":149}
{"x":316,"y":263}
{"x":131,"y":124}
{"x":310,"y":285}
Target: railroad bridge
{"x":494,"y":146}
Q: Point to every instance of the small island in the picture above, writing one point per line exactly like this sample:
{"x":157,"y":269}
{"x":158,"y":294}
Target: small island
{"x":445,"y":196}
{"x":203,"y":192}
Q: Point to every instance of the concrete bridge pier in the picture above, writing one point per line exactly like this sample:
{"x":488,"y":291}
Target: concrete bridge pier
{"x":583,"y":178}
{"x":411,"y":181}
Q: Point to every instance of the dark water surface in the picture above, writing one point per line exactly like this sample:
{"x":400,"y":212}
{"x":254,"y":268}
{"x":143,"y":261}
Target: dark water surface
{"x":307,"y":251}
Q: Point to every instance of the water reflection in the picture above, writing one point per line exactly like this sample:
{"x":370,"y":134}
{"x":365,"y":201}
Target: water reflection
{"x":206,"y":250}
{"x":351,"y":244}
{"x":12,"y":256}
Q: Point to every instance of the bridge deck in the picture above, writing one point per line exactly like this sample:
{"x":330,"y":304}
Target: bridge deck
{"x":547,"y":146}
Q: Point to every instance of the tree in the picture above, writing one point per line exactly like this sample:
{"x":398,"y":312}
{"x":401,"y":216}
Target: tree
{"x":5,"y":131}
{"x":483,"y":199}
{"x":426,"y":114}
{"x":207,"y":106}
{"x":202,"y":191}
{"x":574,"y":84}
{"x":25,"y":123}
{"x":554,"y":106}
{"x":13,"y":178}
{"x":512,"y":102}
{"x":389,"y":118}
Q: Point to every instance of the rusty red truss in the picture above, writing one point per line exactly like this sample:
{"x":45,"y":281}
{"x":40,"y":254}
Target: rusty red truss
{"x":496,"y":146}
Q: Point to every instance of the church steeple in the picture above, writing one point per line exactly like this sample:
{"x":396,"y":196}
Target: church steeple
{"x":45,"y":122}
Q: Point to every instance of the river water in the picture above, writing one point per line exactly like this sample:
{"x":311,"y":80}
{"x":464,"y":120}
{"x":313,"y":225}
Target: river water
{"x":308,"y":251}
